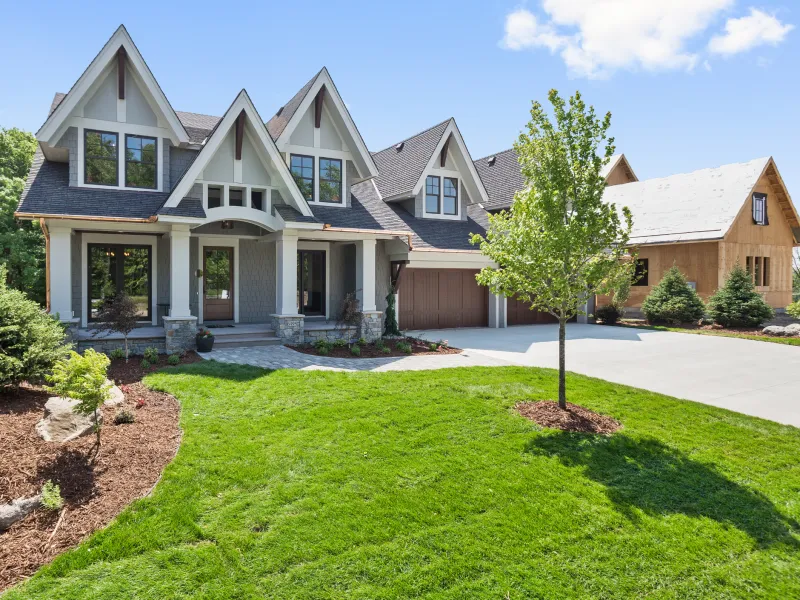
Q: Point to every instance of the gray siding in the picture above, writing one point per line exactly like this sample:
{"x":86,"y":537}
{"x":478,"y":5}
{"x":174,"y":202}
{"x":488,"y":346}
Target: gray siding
{"x":75,"y":249}
{"x":163,"y":248}
{"x":179,"y":161}
{"x":257,"y":281}
{"x":465,"y":201}
{"x":352,"y":175}
{"x":336,"y":279}
{"x":166,"y":171}
{"x":382,"y":277}
{"x":194,"y":248}
{"x":70,"y":141}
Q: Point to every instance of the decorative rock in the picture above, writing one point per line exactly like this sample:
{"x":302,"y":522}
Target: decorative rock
{"x":61,"y":423}
{"x":117,"y":397}
{"x":17,"y":510}
{"x":793,"y":329}
{"x":775,"y":330}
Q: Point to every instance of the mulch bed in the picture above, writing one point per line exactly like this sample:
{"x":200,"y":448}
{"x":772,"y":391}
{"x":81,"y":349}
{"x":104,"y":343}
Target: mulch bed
{"x":576,"y":418}
{"x":418,"y":348}
{"x":756,"y":331}
{"x":95,"y":490}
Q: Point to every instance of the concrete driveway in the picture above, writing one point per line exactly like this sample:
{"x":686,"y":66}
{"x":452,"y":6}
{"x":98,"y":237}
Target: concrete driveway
{"x":755,"y":378}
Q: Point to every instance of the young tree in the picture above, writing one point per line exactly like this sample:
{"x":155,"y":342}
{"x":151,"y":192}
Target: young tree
{"x":560,"y":243}
{"x":119,"y":315}
{"x":737,"y":303}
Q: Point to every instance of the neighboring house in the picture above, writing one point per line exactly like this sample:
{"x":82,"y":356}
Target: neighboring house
{"x":703,"y":222}
{"x":206,"y":219}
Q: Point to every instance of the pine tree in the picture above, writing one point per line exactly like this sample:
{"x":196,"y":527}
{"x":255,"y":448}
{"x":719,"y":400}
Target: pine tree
{"x":672,"y":301}
{"x":737,"y":303}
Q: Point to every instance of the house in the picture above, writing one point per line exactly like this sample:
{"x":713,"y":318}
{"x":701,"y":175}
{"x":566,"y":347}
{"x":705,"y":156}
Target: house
{"x":244,"y":220}
{"x":703,"y":222}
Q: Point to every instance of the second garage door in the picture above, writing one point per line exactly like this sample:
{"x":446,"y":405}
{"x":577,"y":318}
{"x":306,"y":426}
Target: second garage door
{"x":442,"y":299}
{"x":520,"y":313}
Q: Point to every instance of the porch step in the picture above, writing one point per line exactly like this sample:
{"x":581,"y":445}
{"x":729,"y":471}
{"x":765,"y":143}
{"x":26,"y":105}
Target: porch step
{"x":244,"y":341}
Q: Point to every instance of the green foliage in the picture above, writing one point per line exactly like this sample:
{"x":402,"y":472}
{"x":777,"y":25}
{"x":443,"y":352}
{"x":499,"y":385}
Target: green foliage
{"x":378,"y":343}
{"x":117,"y":354}
{"x":737,"y":303}
{"x":386,"y":349}
{"x":151,"y":354}
{"x":672,"y":301}
{"x":322,"y":344}
{"x":51,"y":496}
{"x":124,"y":417}
{"x":793,"y":310}
{"x":443,"y":343}
{"x":145,"y":364}
{"x":433,"y":346}
{"x":174,"y":359}
{"x":361,"y":341}
{"x":82,"y":378}
{"x":608,"y":314}
{"x":17,"y":148}
{"x":31,"y":341}
{"x":323,"y":350}
{"x":390,"y":326}
{"x":119,"y":315}
{"x":355,"y":350}
{"x":404,"y":347}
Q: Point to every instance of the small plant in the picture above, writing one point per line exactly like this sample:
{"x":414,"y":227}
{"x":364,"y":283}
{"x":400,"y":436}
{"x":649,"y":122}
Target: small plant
{"x":339,"y":343}
{"x":124,"y":417}
{"x":117,"y":354}
{"x":323,"y":350}
{"x":140,"y":403}
{"x":404,"y":347}
{"x":322,"y":343}
{"x":51,"y":496}
{"x":672,"y":301}
{"x":355,"y":350}
{"x":121,"y":315}
{"x":793,"y":310}
{"x":737,"y":303}
{"x":145,"y":364}
{"x":443,"y":343}
{"x":433,"y":346}
{"x":608,"y":314}
{"x":379,"y":343}
{"x":174,"y":360}
{"x":386,"y":349}
{"x":151,"y":354}
{"x":361,"y":341}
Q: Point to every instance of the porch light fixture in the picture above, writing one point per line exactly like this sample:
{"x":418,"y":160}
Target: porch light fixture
{"x":227,"y":225}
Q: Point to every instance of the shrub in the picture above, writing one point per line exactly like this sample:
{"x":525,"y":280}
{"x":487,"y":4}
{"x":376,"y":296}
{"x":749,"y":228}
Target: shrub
{"x":117,"y":354}
{"x":119,"y":315}
{"x":404,"y":347}
{"x":355,"y":350}
{"x":793,"y":310}
{"x":151,"y":354}
{"x":322,"y":345}
{"x":379,"y":343}
{"x":608,"y":314}
{"x":145,"y":364}
{"x":83,"y":378}
{"x":737,"y":303}
{"x":339,"y":343}
{"x":361,"y":341}
{"x":672,"y":301}
{"x":31,"y":341}
{"x":174,"y":359}
{"x":433,"y":346}
{"x":124,"y":417}
{"x":51,"y":496}
{"x":386,"y":349}
{"x":323,"y":351}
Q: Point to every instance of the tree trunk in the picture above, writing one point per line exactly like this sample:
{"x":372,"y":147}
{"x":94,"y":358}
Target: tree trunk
{"x":97,"y":426}
{"x":126,"y":348}
{"x":562,"y":360}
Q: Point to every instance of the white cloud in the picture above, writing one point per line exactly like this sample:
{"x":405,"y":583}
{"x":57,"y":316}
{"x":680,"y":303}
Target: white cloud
{"x":595,"y":38}
{"x":756,"y":29}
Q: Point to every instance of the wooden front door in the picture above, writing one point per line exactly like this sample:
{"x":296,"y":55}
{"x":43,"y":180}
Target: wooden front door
{"x":217,"y":284}
{"x":442,"y":299}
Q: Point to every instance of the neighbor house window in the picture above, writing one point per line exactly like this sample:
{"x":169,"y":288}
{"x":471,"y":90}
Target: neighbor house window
{"x":330,"y":180}
{"x":450,"y":201}
{"x":432,"y":194}
{"x":140,"y":162}
{"x":214,"y":197}
{"x":114,"y":269}
{"x":100,"y":158}
{"x":765,"y":267}
{"x":302,"y":168}
{"x":757,"y":270}
{"x":235,"y":197}
{"x":257,"y":199}
{"x":748,"y":266}
{"x":760,"y":209}
{"x":640,"y":274}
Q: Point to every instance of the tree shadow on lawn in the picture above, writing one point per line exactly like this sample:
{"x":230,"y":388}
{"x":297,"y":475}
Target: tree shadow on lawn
{"x":660,"y":480}
{"x":219,"y":370}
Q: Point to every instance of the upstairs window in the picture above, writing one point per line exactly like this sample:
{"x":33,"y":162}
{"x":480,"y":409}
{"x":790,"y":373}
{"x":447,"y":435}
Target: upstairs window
{"x":302,"y":168}
{"x":140,"y":162}
{"x":330,"y":180}
{"x":100,"y":158}
{"x":432,"y":195}
{"x":235,"y":197}
{"x":257,"y":199}
{"x":640,"y":274}
{"x":214,"y":197}
{"x":450,"y":196}
{"x":760,"y":209}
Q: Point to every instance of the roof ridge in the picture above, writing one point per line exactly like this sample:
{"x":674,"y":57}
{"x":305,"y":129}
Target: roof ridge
{"x":493,"y":154}
{"x":733,"y":164}
{"x":411,"y":137}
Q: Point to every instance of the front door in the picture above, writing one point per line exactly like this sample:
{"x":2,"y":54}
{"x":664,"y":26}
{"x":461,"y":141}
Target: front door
{"x":217,"y":284}
{"x":311,"y":282}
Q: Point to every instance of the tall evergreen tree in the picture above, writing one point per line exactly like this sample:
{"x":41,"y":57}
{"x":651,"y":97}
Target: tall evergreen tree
{"x":737,"y":303}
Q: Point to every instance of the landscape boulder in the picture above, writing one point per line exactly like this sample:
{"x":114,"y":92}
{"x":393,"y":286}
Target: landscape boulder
{"x":777,"y":330}
{"x":793,"y":329}
{"x":17,"y":510}
{"x":117,"y":397}
{"x":61,"y":423}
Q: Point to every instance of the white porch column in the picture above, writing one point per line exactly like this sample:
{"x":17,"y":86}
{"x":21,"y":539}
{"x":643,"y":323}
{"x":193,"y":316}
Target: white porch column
{"x":497,"y":310}
{"x":286,"y":257}
{"x":61,"y":272}
{"x":179,"y":275}
{"x":365,"y":274}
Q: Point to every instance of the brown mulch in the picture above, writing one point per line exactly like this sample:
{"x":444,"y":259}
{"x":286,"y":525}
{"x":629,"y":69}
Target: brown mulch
{"x":781,"y":320}
{"x":418,"y":348}
{"x":96,"y":486}
{"x":576,"y":418}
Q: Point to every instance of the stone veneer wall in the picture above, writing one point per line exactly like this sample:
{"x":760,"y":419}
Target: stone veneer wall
{"x":257,"y":283}
{"x":136,"y":346}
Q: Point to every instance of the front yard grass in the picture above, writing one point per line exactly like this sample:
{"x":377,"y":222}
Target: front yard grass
{"x":292,"y":484}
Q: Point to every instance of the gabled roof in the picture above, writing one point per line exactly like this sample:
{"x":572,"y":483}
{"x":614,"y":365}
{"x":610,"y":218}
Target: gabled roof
{"x":61,"y":110}
{"x":696,"y":206}
{"x":618,"y":160}
{"x":242,"y":103}
{"x":277,"y":124}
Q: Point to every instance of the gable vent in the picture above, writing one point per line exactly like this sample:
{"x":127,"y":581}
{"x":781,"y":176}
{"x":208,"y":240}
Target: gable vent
{"x":280,"y":110}
{"x":399,"y":146}
{"x":491,"y":161}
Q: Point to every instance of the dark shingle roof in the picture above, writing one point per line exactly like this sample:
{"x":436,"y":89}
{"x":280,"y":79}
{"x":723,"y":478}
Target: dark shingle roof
{"x":56,"y":101}
{"x":278,"y":123}
{"x":291,"y":215}
{"x":47,"y":191}
{"x":187,"y":207}
{"x":502,"y":179}
{"x":198,"y":126}
{"x":401,"y":169}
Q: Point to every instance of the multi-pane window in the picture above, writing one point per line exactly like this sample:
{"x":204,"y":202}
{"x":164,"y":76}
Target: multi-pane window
{"x":114,"y":269}
{"x":758,"y":269}
{"x":302,"y":168}
{"x":257,"y":199}
{"x":432,"y":194}
{"x":140,"y":162}
{"x":450,"y":201}
{"x":640,"y":274}
{"x":100,"y":158}
{"x":330,"y":180}
{"x":760,"y":209}
{"x":214,"y":197}
{"x":235,"y":197}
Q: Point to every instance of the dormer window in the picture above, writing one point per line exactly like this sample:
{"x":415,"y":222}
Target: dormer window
{"x":760,"y":209}
{"x":450,"y":196}
{"x":330,"y":180}
{"x":441,"y":196}
{"x":302,"y":168}
{"x":140,"y":162}
{"x":100,"y":157}
{"x":432,"y":195}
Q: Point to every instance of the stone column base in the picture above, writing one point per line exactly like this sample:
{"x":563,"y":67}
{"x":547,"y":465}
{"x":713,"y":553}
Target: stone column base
{"x":289,"y":328}
{"x":371,"y":327}
{"x":180,"y":333}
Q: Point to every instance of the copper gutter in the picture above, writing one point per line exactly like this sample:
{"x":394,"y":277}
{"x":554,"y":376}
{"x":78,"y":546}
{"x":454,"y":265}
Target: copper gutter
{"x":406,"y":234}
{"x":20,"y":215}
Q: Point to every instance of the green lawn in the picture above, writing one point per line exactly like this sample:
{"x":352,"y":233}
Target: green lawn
{"x":427,"y":484}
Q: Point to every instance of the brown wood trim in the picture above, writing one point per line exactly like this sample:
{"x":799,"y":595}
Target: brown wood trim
{"x":121,"y":55}
{"x":239,"y":134}
{"x":318,"y":107}
{"x":443,"y":155}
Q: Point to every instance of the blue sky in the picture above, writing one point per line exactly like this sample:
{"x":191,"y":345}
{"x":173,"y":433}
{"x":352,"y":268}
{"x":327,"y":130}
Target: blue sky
{"x":690,"y":84}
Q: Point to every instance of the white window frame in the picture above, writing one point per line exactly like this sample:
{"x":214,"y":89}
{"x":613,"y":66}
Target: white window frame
{"x":442,"y":174}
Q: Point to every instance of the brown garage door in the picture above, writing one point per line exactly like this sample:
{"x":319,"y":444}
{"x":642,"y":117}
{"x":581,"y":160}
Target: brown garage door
{"x":519,"y":313}
{"x":442,"y":299}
